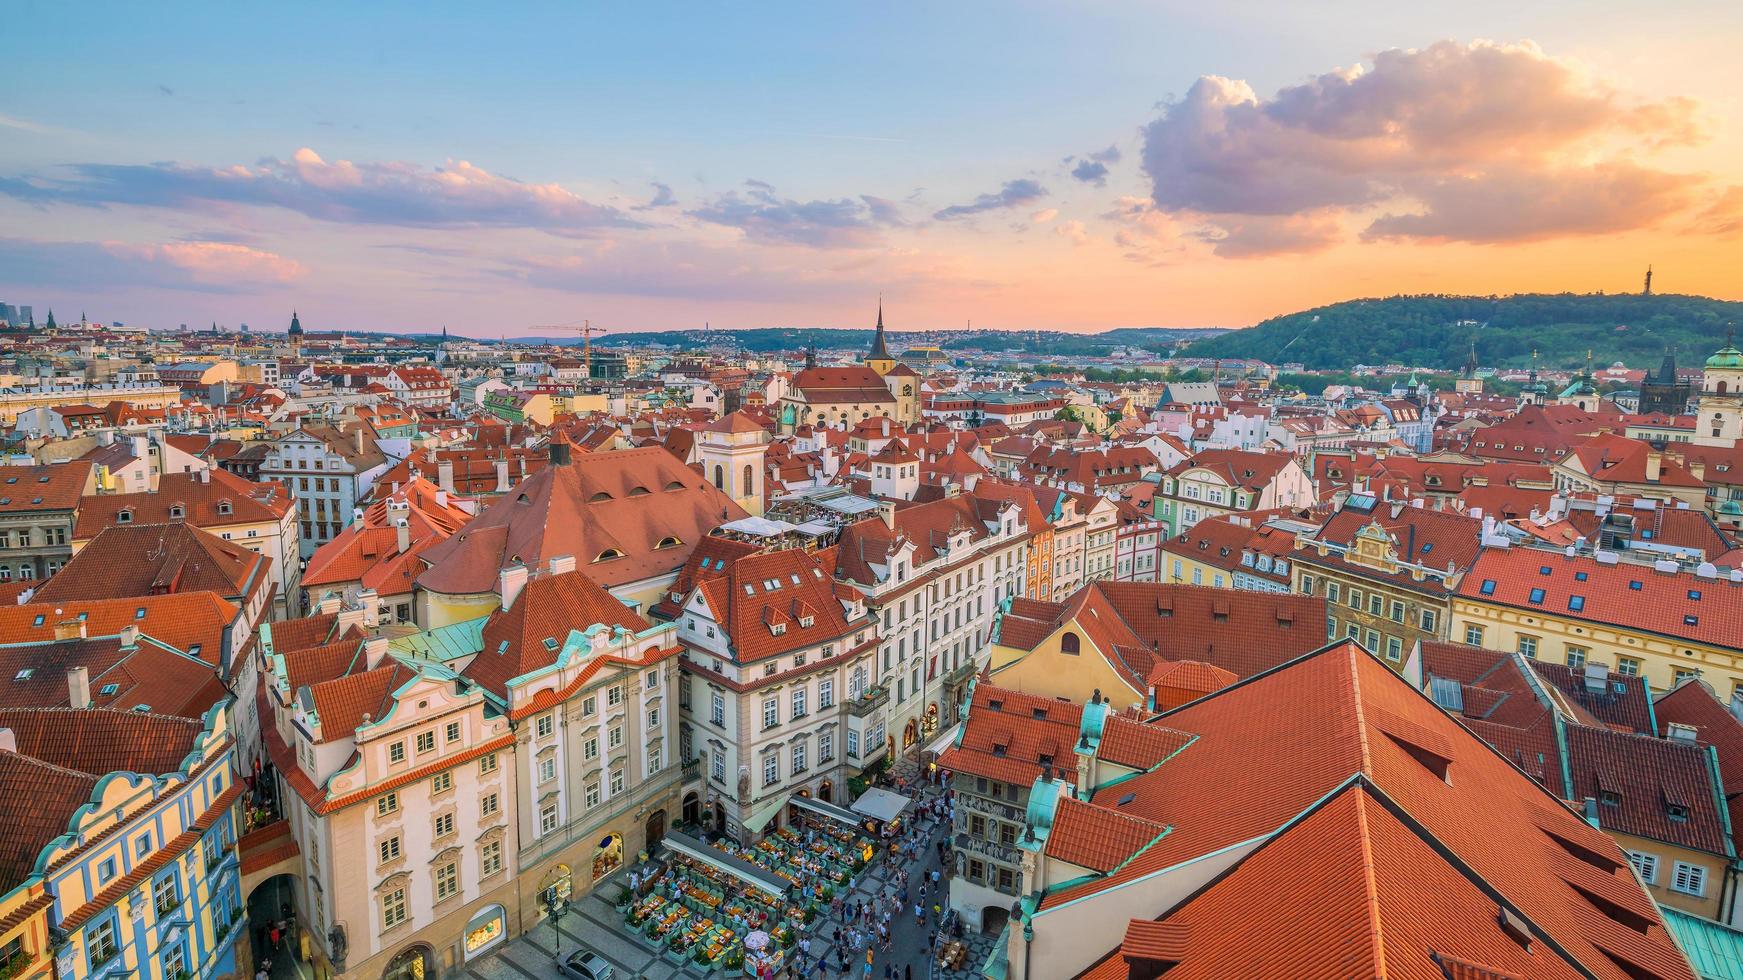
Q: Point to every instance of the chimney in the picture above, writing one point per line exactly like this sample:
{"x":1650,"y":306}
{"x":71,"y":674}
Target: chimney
{"x":8,"y":741}
{"x":445,"y":475}
{"x":1590,"y":808}
{"x":560,"y":564}
{"x":1682,"y":733}
{"x":69,"y":629}
{"x":887,"y":511}
{"x":79,"y":687}
{"x":402,"y":533}
{"x":358,"y":434}
{"x":502,"y":476}
{"x":374,"y":651}
{"x":129,"y":637}
{"x":205,"y":474}
{"x":510,"y":582}
{"x":329,"y":604}
{"x":1654,"y":465}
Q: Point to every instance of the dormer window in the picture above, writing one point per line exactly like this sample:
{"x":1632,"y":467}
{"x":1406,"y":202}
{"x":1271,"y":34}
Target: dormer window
{"x":805,"y":622}
{"x":668,"y":542}
{"x":224,"y":507}
{"x":777,"y":628}
{"x":124,"y":516}
{"x":1677,"y":812}
{"x":177,"y":512}
{"x":608,"y":554}
{"x":1610,"y":797}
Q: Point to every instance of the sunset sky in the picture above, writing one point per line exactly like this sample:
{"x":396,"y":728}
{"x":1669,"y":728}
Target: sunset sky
{"x":1023,"y":165}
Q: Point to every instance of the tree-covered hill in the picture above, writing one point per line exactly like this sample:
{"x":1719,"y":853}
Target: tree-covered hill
{"x":1436,"y":331}
{"x":1158,"y":340}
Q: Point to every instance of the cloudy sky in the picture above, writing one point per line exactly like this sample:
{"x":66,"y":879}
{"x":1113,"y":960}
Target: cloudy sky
{"x":1086,"y":165}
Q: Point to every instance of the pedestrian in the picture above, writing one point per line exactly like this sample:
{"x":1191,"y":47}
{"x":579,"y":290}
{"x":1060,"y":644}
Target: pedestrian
{"x":936,"y":911}
{"x":908,"y":972}
{"x":935,"y":870}
{"x":919,"y":914}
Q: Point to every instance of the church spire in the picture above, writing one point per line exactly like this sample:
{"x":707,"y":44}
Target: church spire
{"x":1470,"y":369}
{"x":879,"y":352}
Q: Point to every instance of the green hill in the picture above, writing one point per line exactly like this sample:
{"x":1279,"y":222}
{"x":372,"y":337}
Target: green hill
{"x":1437,"y":331}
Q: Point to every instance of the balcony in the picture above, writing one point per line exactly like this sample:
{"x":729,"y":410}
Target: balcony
{"x":870,"y":701}
{"x":960,"y":675}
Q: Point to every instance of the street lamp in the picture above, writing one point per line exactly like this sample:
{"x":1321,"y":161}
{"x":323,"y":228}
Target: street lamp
{"x":555,"y":906}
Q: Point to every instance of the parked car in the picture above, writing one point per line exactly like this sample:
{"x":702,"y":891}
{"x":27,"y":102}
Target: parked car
{"x":585,"y":964}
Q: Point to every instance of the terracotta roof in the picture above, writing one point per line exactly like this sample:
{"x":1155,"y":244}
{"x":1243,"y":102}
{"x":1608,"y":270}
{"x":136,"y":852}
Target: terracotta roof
{"x":36,"y":799}
{"x":33,"y":675}
{"x":1465,"y":829}
{"x":343,"y":703}
{"x":626,"y":502}
{"x":528,"y":634}
{"x":154,"y":559}
{"x":56,"y":486}
{"x":200,"y":501}
{"x":1009,"y":733}
{"x":1096,"y":837}
{"x":774,"y":602}
{"x":1692,"y":703}
{"x":1626,"y":595}
{"x":1638,"y":780}
{"x":181,"y":619}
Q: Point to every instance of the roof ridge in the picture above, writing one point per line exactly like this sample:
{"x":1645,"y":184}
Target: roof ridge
{"x":1370,"y":882}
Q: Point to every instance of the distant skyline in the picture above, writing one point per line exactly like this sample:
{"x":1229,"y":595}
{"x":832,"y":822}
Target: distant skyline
{"x":402,"y":167}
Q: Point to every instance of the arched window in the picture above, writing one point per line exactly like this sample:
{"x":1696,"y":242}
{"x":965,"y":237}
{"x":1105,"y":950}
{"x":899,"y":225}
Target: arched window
{"x":749,"y":479}
{"x":1721,"y":388}
{"x":719,"y":477}
{"x":1070,"y":644}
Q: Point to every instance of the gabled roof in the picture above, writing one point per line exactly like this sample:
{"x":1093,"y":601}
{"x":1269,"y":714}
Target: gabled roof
{"x":200,"y":501}
{"x":1337,"y":717}
{"x":528,"y":634}
{"x":154,"y":559}
{"x":774,"y":602}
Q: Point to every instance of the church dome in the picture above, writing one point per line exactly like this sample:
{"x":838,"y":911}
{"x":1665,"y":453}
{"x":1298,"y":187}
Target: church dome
{"x":1727,"y":356}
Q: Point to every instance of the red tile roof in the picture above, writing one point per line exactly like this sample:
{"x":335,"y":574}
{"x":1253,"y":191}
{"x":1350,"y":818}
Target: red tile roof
{"x":529,"y":633}
{"x":57,"y":486}
{"x":1625,"y":594}
{"x":199,"y":500}
{"x":1692,"y":703}
{"x":1464,"y":827}
{"x":154,"y":559}
{"x":764,"y":602}
{"x":617,"y":513}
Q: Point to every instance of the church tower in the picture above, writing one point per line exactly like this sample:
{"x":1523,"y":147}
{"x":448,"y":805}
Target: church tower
{"x":1583,"y":392}
{"x":1535,"y":392}
{"x":732,"y":451}
{"x":1720,"y":419}
{"x":1468,"y":382}
{"x":878,"y":358}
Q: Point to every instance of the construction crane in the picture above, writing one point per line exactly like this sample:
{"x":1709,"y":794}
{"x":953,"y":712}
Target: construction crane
{"x":586,"y":332}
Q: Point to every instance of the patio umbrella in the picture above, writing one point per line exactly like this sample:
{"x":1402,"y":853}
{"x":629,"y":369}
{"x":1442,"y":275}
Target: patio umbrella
{"x":756,"y":941}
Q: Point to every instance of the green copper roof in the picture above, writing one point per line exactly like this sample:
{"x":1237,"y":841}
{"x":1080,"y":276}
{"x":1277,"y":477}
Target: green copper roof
{"x":1726,"y":357}
{"x":1714,"y":950}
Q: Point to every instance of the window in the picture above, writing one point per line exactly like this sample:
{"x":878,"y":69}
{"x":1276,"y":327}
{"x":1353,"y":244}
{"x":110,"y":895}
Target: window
{"x":1428,"y":621}
{"x":1474,"y":635}
{"x":547,"y":770}
{"x":771,"y":768}
{"x":444,"y":825}
{"x":1576,"y":656}
{"x":717,"y":706}
{"x":798,"y":759}
{"x":593,"y":796}
{"x":548,"y":815}
{"x":852,"y":744}
{"x":826,"y":692}
{"x":614,"y":696}
{"x":453,"y":731}
{"x":614,"y":736}
{"x":1397,"y":611}
{"x":163,"y":894}
{"x":441,"y":782}
{"x":1070,"y":644}
{"x":100,"y":942}
{"x":392,"y":909}
{"x":490,"y":858}
{"x":386,"y":803}
{"x":447,"y":881}
{"x":487,"y":764}
{"x":589,"y":705}
{"x":1333,"y":591}
{"x":616,"y":781}
{"x":1690,"y":879}
{"x":389,"y":849}
{"x":1394,"y":648}
{"x":426,"y":742}
{"x":590,"y":749}
{"x":651,"y":679}
{"x":799,"y":703}
{"x":1331,"y":627}
{"x":1355,"y":599}
{"x":487,"y":806}
{"x":544,"y":726}
{"x":1374,"y":603}
{"x":771,"y":712}
{"x":396,"y":752}
{"x":719,"y":767}
{"x":1528,"y":646}
{"x":1536,"y":597}
{"x":825,"y":746}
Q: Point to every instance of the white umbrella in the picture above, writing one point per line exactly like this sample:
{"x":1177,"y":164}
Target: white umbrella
{"x":756,"y":941}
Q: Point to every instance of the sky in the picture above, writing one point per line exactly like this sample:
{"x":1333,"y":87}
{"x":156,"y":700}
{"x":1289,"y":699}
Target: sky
{"x":501,"y":169}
